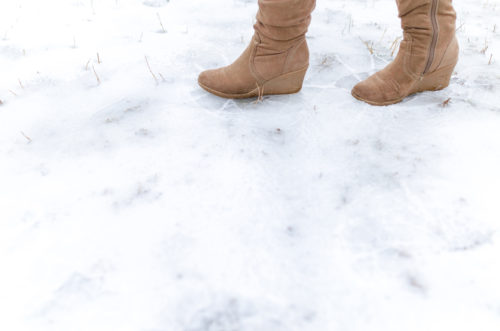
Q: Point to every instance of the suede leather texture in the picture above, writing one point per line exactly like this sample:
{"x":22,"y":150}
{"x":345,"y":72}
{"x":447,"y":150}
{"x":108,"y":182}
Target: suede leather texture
{"x":401,"y":77}
{"x":278,"y":47}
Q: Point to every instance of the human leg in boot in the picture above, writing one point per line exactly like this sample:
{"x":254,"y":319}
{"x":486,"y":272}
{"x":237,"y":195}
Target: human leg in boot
{"x":277,"y":58}
{"x":427,"y":55}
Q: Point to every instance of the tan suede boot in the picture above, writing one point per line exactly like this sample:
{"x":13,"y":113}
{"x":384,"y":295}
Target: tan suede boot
{"x":427,"y":55}
{"x":277,"y":58}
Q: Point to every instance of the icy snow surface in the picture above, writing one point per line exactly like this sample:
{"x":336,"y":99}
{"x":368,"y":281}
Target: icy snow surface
{"x":142,"y":203}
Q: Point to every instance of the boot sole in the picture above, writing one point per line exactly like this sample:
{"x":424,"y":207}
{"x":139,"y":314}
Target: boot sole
{"x":289,"y":83}
{"x":435,"y":81}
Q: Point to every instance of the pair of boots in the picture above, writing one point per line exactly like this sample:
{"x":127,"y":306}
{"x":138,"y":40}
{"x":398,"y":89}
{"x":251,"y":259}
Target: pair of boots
{"x":277,"y":58}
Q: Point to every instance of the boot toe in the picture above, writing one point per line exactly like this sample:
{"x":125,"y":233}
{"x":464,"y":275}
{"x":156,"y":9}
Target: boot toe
{"x":207,"y":79}
{"x":223,"y":82}
{"x":376,"y":91}
{"x":218,"y":82}
{"x":367,"y":92}
{"x":363,"y":91}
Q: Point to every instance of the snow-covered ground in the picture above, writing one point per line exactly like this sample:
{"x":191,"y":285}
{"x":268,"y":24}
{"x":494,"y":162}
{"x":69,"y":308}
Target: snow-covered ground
{"x":141,"y":203}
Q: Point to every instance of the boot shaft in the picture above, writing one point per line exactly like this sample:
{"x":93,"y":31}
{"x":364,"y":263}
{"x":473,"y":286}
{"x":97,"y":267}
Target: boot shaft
{"x":419,"y":15}
{"x":429,"y":27}
{"x":284,"y":20}
{"x":280,"y":33}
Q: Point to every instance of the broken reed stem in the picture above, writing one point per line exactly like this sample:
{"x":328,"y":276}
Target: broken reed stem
{"x":98,"y":58}
{"x":161,"y":23}
{"x":446,"y":103}
{"x":150,"y":70}
{"x":87,"y":65}
{"x":491,"y":60}
{"x":96,"y":75}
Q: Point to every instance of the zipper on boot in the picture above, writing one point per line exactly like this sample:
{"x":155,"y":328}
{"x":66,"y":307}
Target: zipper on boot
{"x":435,"y":32}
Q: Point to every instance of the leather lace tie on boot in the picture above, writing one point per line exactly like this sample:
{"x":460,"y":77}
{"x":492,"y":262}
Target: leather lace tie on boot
{"x":427,"y":55}
{"x":275,"y":61}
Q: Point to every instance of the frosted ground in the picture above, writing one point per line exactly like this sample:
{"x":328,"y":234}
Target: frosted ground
{"x":142,"y":203}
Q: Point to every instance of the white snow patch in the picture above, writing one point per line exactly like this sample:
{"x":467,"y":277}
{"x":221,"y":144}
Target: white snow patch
{"x":143,"y":203}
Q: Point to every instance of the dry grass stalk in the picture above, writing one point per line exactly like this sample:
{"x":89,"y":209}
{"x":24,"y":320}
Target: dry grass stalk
{"x":20,"y":83}
{"x":483,"y":51}
{"x":150,"y":70}
{"x":446,"y":103}
{"x":27,"y":138}
{"x":161,"y":23}
{"x":98,"y":58}
{"x":491,"y":60}
{"x":96,"y":75}
{"x":260,"y":97}
{"x":383,"y":35}
{"x":369,"y":46}
{"x":394,"y":45}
